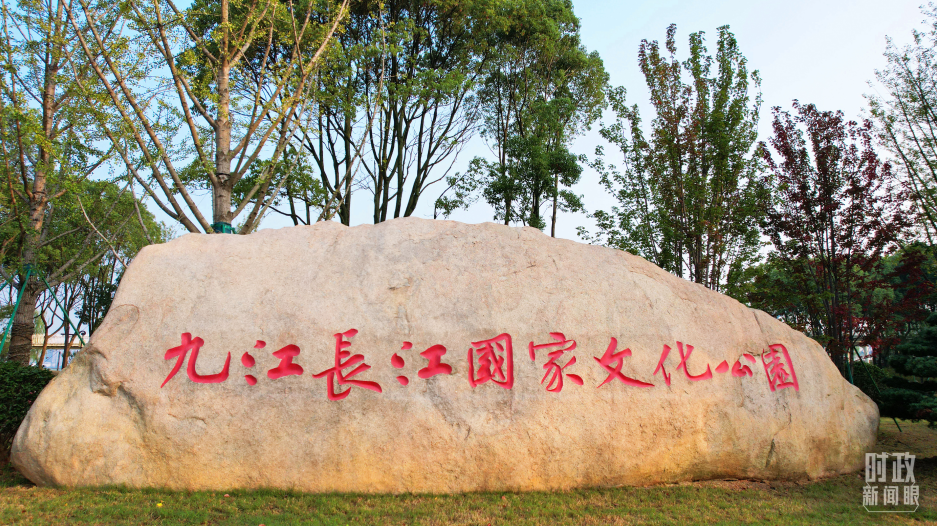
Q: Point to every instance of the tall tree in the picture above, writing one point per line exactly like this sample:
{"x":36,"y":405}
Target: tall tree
{"x":203,"y":92}
{"x":690,"y":194}
{"x":907,"y":115}
{"x":95,"y":225}
{"x":837,"y":213}
{"x":400,"y":102}
{"x":48,"y":155}
{"x":541,"y":90}
{"x":334,"y":128}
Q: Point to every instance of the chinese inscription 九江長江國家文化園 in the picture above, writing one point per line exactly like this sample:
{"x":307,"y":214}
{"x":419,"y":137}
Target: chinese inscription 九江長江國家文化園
{"x":489,"y":360}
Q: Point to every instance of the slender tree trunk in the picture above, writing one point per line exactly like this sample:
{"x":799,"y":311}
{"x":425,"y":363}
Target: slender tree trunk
{"x":45,"y":345}
{"x":344,"y":211}
{"x":66,"y":352}
{"x":535,"y":209}
{"x":289,"y":198}
{"x":65,"y":347}
{"x":221,"y":205}
{"x":556,"y":192}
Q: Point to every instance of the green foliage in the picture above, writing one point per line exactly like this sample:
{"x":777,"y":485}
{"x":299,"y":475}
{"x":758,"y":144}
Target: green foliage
{"x":909,"y":404}
{"x":541,"y":89}
{"x":19,"y":387}
{"x":925,"y":409}
{"x":399,"y":102}
{"x":690,"y":194}
{"x":461,"y":189}
{"x":888,"y":302}
{"x":900,"y":382}
{"x":917,"y":355}
{"x":906,"y":117}
{"x":896,"y":403}
{"x":300,"y":195}
{"x":837,"y":213}
{"x":869,"y":378}
{"x":923,"y":342}
{"x":920,"y":366}
{"x":69,"y":235}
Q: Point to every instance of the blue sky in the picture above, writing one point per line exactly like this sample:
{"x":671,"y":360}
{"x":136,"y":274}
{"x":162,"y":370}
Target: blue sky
{"x":818,"y":51}
{"x":823,"y":52}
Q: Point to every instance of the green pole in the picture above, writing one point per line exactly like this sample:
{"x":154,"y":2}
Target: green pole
{"x":19,"y":297}
{"x":64,"y":311}
{"x":222,"y":228}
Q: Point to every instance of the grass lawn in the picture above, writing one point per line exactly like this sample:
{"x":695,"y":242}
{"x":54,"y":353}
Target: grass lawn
{"x":833,"y":501}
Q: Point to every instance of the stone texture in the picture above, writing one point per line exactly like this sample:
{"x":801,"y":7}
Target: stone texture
{"x":105,"y":419}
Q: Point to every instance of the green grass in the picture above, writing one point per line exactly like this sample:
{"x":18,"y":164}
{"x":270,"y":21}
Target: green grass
{"x":832,"y":501}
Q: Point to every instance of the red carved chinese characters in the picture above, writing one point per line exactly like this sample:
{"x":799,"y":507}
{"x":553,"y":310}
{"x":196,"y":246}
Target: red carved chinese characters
{"x":617,"y":359}
{"x":683,"y":364}
{"x":554,"y":369}
{"x":434,"y":354}
{"x":435,"y":366}
{"x":739,"y":370}
{"x":495,"y":361}
{"x":660,"y":364}
{"x":684,"y":358}
{"x":397,"y":362}
{"x":248,"y":361}
{"x":488,"y":360}
{"x":190,"y":344}
{"x":779,"y":368}
{"x":344,"y":360}
{"x":286,"y":366}
{"x":561,"y":341}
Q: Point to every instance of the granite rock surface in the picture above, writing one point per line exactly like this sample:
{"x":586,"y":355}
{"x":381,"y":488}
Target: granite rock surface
{"x":433,"y":356}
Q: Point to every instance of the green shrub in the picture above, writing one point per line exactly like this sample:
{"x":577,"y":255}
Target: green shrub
{"x":903,"y":383}
{"x":926,"y":409}
{"x":869,"y":378}
{"x":19,"y":387}
{"x":908,"y":404}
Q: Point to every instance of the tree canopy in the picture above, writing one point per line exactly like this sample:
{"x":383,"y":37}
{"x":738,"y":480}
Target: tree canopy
{"x":690,"y":190}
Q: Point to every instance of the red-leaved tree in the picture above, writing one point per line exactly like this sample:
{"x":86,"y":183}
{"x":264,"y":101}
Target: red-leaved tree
{"x":838,"y":212}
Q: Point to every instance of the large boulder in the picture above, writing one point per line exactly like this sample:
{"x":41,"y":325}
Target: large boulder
{"x":232,"y":361}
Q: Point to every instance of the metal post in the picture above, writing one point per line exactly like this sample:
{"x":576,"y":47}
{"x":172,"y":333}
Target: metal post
{"x":64,"y":311}
{"x":19,"y":297}
{"x":222,"y":228}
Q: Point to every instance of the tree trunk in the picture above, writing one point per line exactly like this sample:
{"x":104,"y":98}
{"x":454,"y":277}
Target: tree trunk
{"x":45,"y":346}
{"x":68,"y":347}
{"x":24,"y":323}
{"x":556,"y":194}
{"x":221,"y":203}
{"x":344,"y":210}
